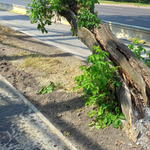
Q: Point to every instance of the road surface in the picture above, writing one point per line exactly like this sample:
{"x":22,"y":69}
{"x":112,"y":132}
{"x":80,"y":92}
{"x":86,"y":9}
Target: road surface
{"x":126,"y":15}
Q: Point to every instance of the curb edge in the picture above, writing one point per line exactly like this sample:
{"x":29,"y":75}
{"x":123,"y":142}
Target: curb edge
{"x":40,"y":115}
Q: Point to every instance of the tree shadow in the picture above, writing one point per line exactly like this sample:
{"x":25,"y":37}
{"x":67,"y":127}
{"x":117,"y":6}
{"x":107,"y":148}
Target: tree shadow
{"x":55,"y":33}
{"x":15,"y":115}
{"x":52,"y":51}
{"x":20,"y":128}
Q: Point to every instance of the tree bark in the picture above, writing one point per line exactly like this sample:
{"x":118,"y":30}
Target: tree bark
{"x":134,"y":75}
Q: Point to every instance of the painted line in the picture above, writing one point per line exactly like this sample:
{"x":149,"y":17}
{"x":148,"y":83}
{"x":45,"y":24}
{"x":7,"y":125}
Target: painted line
{"x":40,"y":116}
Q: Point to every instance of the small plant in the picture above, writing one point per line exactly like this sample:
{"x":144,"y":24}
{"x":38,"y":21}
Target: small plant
{"x":58,"y":85}
{"x":98,"y":83}
{"x":66,"y":133}
{"x":47,"y":89}
{"x":137,"y":51}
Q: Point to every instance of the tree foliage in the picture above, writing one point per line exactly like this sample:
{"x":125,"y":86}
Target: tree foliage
{"x":133,"y":1}
{"x":42,"y":12}
{"x":98,"y":83}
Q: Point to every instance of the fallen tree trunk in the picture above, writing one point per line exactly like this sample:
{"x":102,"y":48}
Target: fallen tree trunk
{"x":134,"y":93}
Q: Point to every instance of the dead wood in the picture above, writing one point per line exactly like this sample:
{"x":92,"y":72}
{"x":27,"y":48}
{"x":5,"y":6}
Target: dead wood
{"x":134,"y":75}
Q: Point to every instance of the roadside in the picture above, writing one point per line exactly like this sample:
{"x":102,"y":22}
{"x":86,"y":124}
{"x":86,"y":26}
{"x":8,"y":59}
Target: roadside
{"x":129,"y":4}
{"x":64,"y":108}
{"x":121,"y":28}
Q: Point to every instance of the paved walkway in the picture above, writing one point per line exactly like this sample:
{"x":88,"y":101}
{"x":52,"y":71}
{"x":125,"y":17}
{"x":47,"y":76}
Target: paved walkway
{"x":23,"y":127}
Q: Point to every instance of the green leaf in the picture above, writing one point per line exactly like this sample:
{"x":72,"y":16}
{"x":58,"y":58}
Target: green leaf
{"x":92,"y":113}
{"x":121,"y":116}
{"x":100,"y":112}
{"x":117,"y":122}
{"x":48,"y":89}
{"x":91,"y":124}
{"x":109,"y":122}
{"x":105,"y":120}
{"x":136,"y":41}
{"x":115,"y":126}
{"x":98,"y":126}
{"x":117,"y":84}
{"x":117,"y":110}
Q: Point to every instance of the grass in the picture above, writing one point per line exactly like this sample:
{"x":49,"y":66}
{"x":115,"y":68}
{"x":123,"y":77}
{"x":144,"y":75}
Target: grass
{"x":42,"y":63}
{"x":124,"y":3}
{"x":52,"y":69}
{"x":6,"y":30}
{"x":66,"y":133}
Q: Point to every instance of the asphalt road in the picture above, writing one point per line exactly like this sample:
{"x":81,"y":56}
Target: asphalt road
{"x":136,"y":16}
{"x":125,"y":15}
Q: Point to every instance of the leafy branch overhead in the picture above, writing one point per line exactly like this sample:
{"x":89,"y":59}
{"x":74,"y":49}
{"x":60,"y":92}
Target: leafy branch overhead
{"x":42,"y":12}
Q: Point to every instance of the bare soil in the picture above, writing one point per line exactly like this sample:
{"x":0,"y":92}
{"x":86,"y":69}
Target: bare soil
{"x":63,"y":107}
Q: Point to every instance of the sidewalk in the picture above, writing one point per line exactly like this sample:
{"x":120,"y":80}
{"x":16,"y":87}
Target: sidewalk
{"x":23,"y":126}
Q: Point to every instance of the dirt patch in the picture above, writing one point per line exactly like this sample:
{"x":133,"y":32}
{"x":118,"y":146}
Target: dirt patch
{"x":64,"y":108}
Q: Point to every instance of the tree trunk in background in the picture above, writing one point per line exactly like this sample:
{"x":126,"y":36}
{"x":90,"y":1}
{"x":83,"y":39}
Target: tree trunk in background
{"x":134,"y":75}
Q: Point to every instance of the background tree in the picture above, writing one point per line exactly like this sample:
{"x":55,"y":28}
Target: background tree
{"x":134,"y":92}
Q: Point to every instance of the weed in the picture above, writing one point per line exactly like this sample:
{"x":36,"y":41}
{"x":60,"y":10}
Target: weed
{"x":34,"y":55}
{"x":21,"y":53}
{"x":39,"y":62}
{"x":66,"y":133}
{"x":98,"y":83}
{"x":58,"y":86}
{"x":78,"y":109}
{"x":47,"y":89}
{"x":15,"y":80}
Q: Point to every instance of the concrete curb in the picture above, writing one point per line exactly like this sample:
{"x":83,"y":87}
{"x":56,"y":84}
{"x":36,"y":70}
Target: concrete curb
{"x":128,"y":31}
{"x":118,"y":29}
{"x":40,"y":116}
{"x":14,"y":8}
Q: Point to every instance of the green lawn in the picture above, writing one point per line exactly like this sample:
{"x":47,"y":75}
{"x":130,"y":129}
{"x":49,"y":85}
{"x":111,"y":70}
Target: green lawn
{"x":124,"y":3}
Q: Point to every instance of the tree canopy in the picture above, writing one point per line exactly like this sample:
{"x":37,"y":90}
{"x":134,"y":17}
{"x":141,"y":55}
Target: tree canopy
{"x":42,"y":12}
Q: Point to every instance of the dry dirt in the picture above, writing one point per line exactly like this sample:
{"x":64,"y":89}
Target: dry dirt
{"x":64,"y":108}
